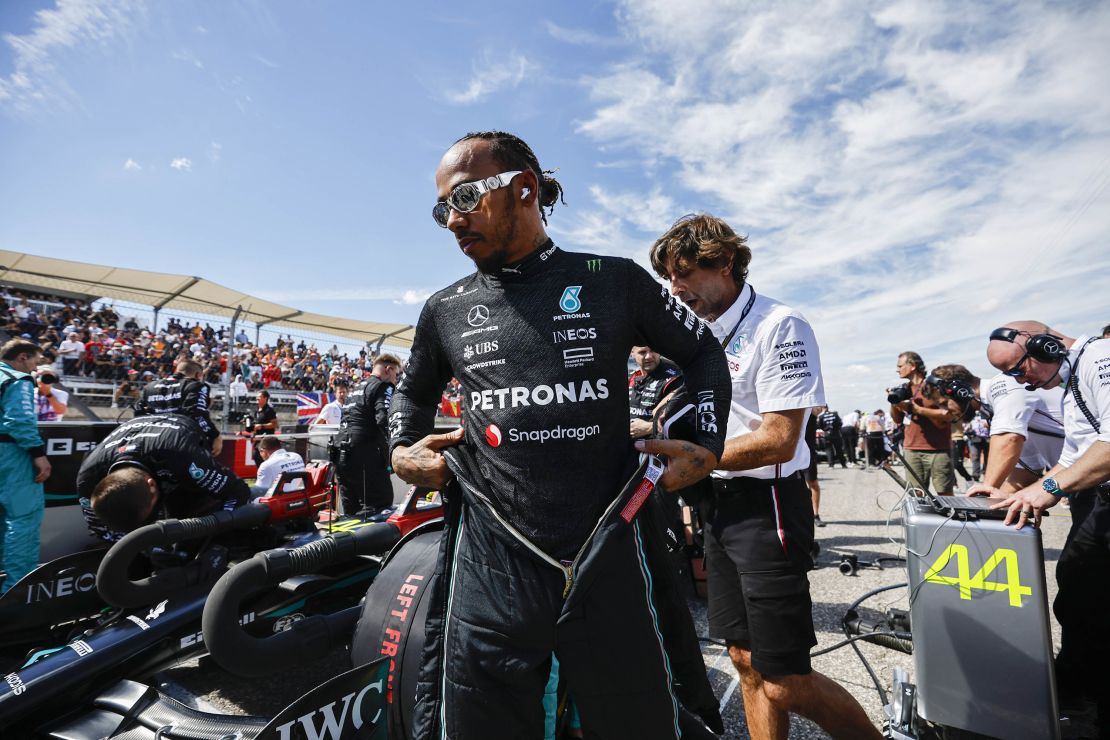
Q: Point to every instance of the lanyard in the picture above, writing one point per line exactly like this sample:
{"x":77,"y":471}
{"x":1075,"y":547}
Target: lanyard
{"x":743,"y":315}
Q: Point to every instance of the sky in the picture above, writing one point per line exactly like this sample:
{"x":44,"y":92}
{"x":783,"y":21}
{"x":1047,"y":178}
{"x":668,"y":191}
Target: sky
{"x":909,"y":174}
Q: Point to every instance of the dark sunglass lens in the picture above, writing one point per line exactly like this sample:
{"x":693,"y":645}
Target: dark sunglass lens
{"x":440,"y":213}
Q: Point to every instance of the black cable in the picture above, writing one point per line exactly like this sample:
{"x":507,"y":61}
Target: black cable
{"x":859,"y":653}
{"x":853,"y":638}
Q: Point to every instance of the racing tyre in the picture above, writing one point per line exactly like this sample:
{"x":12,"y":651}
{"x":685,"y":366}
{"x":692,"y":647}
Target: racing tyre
{"x":392,"y":623}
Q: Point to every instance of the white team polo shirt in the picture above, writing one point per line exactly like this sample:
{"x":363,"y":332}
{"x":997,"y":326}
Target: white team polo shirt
{"x":1094,"y":386}
{"x":332,"y":413}
{"x":775,"y":365}
{"x":1035,"y":415}
{"x":277,"y":463}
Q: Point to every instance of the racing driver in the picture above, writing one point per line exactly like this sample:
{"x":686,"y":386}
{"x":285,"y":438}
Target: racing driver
{"x":150,"y":468}
{"x":543,"y":553}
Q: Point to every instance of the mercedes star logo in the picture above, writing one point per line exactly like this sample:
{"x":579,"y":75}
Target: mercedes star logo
{"x":478,"y":315}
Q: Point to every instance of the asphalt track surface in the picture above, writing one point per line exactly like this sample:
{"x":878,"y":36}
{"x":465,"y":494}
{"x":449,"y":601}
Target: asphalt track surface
{"x":855,"y":505}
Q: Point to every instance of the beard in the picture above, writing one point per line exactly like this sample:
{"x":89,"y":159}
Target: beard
{"x":501,"y":246}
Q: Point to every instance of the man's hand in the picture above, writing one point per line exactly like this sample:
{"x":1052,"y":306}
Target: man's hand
{"x":1025,"y":506}
{"x":422,"y":464}
{"x":42,"y":468}
{"x":217,"y":446}
{"x":687,"y":463}
{"x":638,"y":428}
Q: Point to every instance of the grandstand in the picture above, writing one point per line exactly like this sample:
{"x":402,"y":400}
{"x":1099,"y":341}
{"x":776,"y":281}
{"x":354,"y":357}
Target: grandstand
{"x":124,"y":334}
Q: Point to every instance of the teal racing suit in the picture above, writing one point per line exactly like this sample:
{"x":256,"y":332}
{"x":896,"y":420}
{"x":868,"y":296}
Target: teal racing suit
{"x":21,"y":498}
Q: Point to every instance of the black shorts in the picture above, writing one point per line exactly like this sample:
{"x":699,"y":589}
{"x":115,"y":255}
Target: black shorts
{"x":758,"y":549}
{"x":810,"y":473}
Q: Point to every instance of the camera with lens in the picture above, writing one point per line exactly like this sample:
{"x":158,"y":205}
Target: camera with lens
{"x":899,"y":394}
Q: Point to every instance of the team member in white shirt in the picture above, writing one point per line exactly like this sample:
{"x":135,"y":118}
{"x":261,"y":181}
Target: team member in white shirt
{"x":1027,"y":433}
{"x":275,"y":461}
{"x":759,"y":532}
{"x":332,"y":413}
{"x":1034,"y":355}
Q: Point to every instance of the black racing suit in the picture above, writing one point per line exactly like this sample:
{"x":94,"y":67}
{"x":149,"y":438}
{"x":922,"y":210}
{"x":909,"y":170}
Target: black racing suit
{"x":541,"y":349}
{"x":362,"y":445}
{"x":179,"y":395}
{"x":646,"y":390}
{"x":173,"y":450}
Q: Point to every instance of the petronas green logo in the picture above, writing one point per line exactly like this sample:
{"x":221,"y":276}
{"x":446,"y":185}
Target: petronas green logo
{"x":593,"y":265}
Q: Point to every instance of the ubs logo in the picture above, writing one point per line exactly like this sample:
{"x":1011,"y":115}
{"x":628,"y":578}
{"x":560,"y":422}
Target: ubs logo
{"x":477,"y":315}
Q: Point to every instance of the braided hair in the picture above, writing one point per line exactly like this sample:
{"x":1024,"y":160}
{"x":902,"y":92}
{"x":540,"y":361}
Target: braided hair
{"x":511,"y":151}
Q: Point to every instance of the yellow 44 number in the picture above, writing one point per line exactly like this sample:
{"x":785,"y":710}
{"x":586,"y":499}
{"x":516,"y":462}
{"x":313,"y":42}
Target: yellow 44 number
{"x":966,"y":582}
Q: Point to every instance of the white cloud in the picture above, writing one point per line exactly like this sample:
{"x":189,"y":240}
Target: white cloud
{"x":184,"y":55}
{"x":215,"y":151}
{"x":910,"y":174}
{"x":491,"y":72}
{"x":131,"y":164}
{"x":413,"y":297}
{"x":266,"y":62}
{"x":182,"y":164}
{"x":71,"y":24}
{"x":580,"y":36}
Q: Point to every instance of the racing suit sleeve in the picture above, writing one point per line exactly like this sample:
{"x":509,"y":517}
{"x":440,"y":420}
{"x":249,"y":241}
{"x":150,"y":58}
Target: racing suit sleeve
{"x":19,"y":419}
{"x":383,"y":399}
{"x":194,"y":401}
{"x":672,"y":329}
{"x":413,"y":412}
{"x":204,"y":475}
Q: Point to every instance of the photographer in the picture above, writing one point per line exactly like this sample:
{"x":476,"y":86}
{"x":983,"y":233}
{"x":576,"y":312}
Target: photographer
{"x":928,"y":433}
{"x":50,"y":401}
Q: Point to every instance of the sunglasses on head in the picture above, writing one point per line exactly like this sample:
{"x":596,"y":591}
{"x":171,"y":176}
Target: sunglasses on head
{"x":465,"y":197}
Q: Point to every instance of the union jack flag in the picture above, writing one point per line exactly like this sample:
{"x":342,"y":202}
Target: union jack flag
{"x":309,"y":405}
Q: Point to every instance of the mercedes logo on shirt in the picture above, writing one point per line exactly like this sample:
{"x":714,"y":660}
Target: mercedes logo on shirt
{"x":477,"y":316}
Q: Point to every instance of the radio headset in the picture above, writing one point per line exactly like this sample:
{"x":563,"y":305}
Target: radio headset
{"x":1043,"y":347}
{"x":1050,"y":348}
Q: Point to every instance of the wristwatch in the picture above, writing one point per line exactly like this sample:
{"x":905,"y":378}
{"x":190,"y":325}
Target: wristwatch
{"x":1051,"y":486}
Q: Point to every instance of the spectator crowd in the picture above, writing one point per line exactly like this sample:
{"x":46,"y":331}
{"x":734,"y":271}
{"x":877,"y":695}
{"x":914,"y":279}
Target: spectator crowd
{"x":83,"y":340}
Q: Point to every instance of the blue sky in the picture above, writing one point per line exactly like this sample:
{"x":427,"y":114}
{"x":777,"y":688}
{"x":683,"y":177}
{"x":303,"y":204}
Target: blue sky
{"x":910,"y":174}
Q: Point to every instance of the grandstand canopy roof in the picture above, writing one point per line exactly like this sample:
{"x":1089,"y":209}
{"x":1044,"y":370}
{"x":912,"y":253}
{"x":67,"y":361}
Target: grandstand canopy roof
{"x":186,"y":293}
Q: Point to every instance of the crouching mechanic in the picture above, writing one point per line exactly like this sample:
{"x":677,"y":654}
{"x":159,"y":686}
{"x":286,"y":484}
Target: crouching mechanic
{"x":759,"y":524}
{"x":543,"y":555}
{"x":1038,"y":357}
{"x":151,"y":468}
{"x":23,"y":463}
